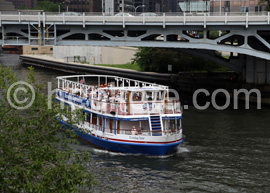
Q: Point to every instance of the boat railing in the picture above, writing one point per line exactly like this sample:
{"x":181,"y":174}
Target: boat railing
{"x":93,"y":126}
{"x":143,"y":132}
{"x":136,"y":108}
{"x":118,"y":106}
{"x":66,"y":82}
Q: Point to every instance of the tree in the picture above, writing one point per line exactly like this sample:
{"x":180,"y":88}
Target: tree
{"x":47,"y":6}
{"x":158,"y":59}
{"x":164,"y":57}
{"x":34,"y":155}
{"x":144,"y":58}
{"x":267,"y":8}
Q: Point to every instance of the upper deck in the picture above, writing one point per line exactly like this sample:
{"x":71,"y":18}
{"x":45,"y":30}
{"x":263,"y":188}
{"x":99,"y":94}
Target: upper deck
{"x":117,"y":95}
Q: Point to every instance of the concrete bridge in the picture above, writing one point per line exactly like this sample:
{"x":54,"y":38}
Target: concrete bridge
{"x":246,"y":36}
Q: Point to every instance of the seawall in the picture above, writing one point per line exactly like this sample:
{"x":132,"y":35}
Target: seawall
{"x":76,"y":68}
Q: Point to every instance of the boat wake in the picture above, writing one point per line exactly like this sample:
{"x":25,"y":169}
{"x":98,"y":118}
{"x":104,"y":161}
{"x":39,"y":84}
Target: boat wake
{"x":182,"y":150}
{"x":104,"y":151}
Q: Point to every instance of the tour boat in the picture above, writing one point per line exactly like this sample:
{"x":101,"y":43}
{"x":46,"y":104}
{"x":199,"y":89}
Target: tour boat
{"x":122,"y":114}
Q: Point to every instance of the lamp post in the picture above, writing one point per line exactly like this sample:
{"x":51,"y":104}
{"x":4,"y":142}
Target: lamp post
{"x":135,"y":8}
{"x":123,"y":6}
{"x":65,"y":3}
{"x":220,"y":7}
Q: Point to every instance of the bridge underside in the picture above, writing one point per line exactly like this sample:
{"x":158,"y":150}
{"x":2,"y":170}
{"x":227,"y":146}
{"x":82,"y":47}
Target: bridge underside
{"x":203,"y":40}
{"x":253,"y":41}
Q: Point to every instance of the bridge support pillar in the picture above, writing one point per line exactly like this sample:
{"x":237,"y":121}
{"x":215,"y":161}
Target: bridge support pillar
{"x":257,"y":71}
{"x":3,"y":35}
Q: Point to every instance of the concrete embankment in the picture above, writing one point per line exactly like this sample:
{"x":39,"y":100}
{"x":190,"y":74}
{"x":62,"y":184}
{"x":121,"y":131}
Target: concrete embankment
{"x":75,"y":68}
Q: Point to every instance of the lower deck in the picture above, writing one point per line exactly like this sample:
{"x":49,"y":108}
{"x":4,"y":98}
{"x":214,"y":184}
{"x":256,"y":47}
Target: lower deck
{"x":135,"y":144}
{"x":152,"y":127}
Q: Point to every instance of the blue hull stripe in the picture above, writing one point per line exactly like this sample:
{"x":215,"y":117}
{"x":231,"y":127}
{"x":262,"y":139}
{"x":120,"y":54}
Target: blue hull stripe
{"x":124,"y":147}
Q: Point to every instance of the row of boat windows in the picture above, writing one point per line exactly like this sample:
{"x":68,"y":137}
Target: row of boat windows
{"x":135,"y":96}
{"x":118,"y":94}
{"x":168,"y":125}
{"x":98,"y":121}
{"x":148,"y":96}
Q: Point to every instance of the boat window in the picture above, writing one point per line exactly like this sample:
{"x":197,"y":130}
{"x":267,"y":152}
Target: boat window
{"x":86,"y":116}
{"x":94,"y":118}
{"x":149,"y":96}
{"x":160,"y":95}
{"x":172,"y":125}
{"x":137,"y":96}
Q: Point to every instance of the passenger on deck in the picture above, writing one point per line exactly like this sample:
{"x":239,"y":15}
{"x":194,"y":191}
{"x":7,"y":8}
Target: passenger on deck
{"x":82,"y":81}
{"x":134,"y":131}
{"x":139,"y":131}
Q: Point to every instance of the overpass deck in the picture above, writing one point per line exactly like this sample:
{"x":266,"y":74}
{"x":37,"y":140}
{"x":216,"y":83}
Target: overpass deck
{"x":164,"y":19}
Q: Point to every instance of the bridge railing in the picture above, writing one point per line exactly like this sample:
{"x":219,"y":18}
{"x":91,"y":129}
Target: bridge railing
{"x":138,"y":14}
{"x":15,"y":40}
{"x":164,"y":19}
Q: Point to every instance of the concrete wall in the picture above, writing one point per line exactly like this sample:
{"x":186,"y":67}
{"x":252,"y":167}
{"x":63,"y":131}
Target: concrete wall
{"x":37,"y":49}
{"x":250,"y":68}
{"x":117,"y":55}
{"x":268,"y":72}
{"x":96,"y":54}
{"x":92,"y":53}
{"x":260,"y":71}
{"x":257,"y":70}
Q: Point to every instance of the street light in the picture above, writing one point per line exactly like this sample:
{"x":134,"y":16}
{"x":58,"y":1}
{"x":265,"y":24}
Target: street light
{"x":135,"y":8}
{"x":219,"y":7}
{"x":67,"y":3}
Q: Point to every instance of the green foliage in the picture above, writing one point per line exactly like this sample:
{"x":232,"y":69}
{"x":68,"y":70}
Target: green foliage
{"x":162,"y":58}
{"x":200,"y":33}
{"x":144,"y":58}
{"x":215,"y":34}
{"x":47,"y":6}
{"x":267,"y":7}
{"x":158,"y":59}
{"x":131,"y":66}
{"x":21,"y":7}
{"x":34,"y":155}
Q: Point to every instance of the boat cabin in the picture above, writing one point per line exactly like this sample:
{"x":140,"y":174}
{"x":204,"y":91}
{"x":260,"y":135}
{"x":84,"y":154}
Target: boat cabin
{"x":117,"y":105}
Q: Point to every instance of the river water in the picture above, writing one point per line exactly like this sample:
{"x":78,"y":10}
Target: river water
{"x":224,"y":151}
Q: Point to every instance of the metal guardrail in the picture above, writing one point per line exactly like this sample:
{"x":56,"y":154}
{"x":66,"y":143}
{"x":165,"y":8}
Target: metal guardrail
{"x":144,"y":132}
{"x":138,"y":14}
{"x":122,"y":108}
{"x":80,"y":59}
{"x":163,"y":18}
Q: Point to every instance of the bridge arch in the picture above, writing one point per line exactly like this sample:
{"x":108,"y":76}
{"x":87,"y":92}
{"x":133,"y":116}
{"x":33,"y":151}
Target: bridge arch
{"x":75,"y":36}
{"x":96,"y":36}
